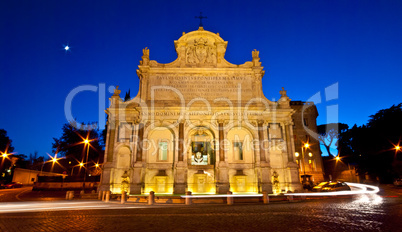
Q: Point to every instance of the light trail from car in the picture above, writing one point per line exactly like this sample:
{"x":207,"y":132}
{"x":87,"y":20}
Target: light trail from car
{"x":15,"y":207}
{"x":363,"y":189}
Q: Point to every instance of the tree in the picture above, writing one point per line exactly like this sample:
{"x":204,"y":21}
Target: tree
{"x":5,"y":142}
{"x":127,"y":97}
{"x":372,"y":146}
{"x":71,"y":145}
{"x":329,"y":135}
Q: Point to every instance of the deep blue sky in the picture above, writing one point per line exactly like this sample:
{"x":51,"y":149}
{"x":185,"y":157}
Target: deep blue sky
{"x":304,"y":46}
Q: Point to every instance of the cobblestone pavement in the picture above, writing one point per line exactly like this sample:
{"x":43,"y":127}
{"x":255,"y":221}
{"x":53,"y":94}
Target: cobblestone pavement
{"x":364,"y":213}
{"x":381,"y":212}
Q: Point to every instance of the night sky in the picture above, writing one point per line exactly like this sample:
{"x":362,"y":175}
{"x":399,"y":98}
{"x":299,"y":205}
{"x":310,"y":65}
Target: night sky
{"x":305,"y":46}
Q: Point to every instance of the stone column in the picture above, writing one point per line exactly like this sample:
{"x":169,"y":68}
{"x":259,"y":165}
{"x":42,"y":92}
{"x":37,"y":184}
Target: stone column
{"x":109,"y":150}
{"x":140,"y":142}
{"x":180,"y":180}
{"x":222,"y":183}
{"x":261,"y":141}
{"x":292,"y":167}
{"x":181,"y":141}
{"x":136,"y":174}
{"x":265,"y":181}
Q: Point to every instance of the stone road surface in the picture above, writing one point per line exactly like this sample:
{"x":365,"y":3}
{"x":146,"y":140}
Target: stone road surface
{"x":363,"y":213}
{"x":360,"y":214}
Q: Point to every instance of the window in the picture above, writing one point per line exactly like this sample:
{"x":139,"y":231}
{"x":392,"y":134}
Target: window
{"x":163,"y":151}
{"x":311,"y":163}
{"x":238,"y":150}
{"x":125,"y":132}
{"x":305,"y":122}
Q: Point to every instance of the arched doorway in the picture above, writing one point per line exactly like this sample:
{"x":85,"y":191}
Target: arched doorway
{"x":201,"y":160}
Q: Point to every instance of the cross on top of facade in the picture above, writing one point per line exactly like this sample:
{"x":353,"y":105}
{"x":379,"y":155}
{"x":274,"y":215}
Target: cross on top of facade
{"x":200,"y":17}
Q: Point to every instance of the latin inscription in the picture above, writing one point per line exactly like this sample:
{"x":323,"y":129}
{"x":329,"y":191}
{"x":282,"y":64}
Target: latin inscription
{"x":208,"y":87}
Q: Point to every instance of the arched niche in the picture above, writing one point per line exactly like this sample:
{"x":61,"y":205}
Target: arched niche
{"x":160,"y":146}
{"x":240,"y":149}
{"x":123,"y":157}
{"x":200,"y":147}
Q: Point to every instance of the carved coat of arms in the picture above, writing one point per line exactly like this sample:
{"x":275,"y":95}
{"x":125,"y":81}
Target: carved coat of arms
{"x":201,"y":53}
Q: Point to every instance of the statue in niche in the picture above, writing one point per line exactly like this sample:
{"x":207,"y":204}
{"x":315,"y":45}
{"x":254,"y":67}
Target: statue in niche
{"x":124,"y":182}
{"x":275,"y":183}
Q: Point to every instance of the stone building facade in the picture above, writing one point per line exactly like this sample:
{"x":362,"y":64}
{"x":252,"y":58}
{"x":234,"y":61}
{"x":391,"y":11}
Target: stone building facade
{"x":305,"y":132}
{"x":200,"y":124}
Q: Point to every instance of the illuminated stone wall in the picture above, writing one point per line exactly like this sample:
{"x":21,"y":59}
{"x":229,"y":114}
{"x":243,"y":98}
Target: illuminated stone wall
{"x":200,"y":124}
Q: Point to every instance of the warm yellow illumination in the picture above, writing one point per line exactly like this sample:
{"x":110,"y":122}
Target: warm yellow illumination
{"x":86,"y":141}
{"x":306,"y":145}
{"x":97,"y":165}
{"x":337,"y":158}
{"x":310,"y":154}
{"x":54,"y":159}
{"x":5,"y":155}
{"x":81,"y":164}
{"x":297,"y":154}
{"x":397,"y":147}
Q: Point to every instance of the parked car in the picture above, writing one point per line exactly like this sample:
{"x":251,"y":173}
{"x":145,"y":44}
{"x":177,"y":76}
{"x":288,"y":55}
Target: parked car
{"x":398,"y":182}
{"x":336,"y":186}
{"x":318,"y":188}
{"x":13,"y":185}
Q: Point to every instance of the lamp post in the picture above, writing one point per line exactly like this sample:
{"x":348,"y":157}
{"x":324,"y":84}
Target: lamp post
{"x":304,"y":147}
{"x":4,"y":155}
{"x":86,"y":142}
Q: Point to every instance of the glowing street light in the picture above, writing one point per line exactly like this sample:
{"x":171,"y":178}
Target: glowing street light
{"x":397,"y":148}
{"x":337,"y":158}
{"x":97,"y":165}
{"x":81,"y":164}
{"x":86,"y":142}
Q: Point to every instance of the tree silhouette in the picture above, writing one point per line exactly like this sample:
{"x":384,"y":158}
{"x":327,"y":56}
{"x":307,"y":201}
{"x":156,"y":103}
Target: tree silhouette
{"x":372,"y":146}
{"x":71,"y":145}
{"x":5,"y":142}
{"x":127,"y":97}
{"x":329,"y":135}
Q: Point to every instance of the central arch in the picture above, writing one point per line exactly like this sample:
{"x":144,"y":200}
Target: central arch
{"x":201,"y":160}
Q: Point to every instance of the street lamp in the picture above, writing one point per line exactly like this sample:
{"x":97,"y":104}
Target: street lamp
{"x":86,"y":142}
{"x":337,"y":158}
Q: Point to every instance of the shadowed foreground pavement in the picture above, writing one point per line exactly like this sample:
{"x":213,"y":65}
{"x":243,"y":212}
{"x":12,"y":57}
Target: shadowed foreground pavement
{"x":340,"y":214}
